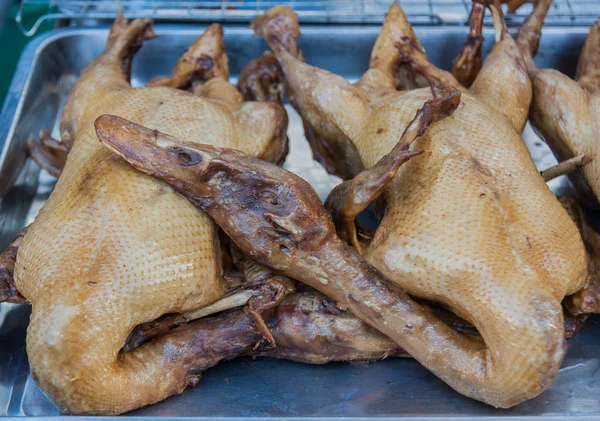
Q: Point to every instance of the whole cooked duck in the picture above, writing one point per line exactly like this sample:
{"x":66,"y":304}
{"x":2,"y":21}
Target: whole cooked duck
{"x":113,"y":248}
{"x":469,"y":224}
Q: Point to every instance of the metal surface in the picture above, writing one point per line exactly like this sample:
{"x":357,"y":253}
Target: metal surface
{"x":4,"y":6}
{"x":430,"y":12}
{"x":398,"y":388}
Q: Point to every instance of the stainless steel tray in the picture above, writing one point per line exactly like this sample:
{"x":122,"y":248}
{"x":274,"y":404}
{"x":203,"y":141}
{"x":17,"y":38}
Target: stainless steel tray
{"x":394,"y":388}
{"x":419,"y":12}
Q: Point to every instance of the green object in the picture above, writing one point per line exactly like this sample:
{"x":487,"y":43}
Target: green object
{"x":13,"y":41}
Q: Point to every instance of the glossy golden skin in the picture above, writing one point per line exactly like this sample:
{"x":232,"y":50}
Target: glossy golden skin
{"x":113,"y":248}
{"x":469,"y":223}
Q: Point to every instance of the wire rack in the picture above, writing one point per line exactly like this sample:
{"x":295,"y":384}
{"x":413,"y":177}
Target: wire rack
{"x":428,"y":12}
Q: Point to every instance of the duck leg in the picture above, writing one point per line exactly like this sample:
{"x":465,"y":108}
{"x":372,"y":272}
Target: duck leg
{"x":468,"y":63}
{"x":49,"y":153}
{"x":530,"y":32}
{"x":348,"y":199}
{"x":109,"y":71}
{"x":8,"y":290}
{"x":388,"y":70}
{"x":408,"y":51}
{"x":113,"y":70}
{"x":332,"y":108}
{"x":204,"y":69}
{"x":502,"y":82}
{"x":205,"y":59}
{"x":262,"y":79}
{"x":588,"y":68}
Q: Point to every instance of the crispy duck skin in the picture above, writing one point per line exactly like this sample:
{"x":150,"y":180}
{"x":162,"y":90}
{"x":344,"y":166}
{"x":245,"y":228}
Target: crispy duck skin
{"x":112,"y":248}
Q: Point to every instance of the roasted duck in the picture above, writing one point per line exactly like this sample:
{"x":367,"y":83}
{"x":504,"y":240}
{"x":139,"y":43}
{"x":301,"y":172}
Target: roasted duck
{"x":469,"y":224}
{"x":566,"y":112}
{"x":113,"y":248}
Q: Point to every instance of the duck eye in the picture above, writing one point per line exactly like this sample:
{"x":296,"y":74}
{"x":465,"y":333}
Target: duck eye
{"x":271,"y":198}
{"x":187,"y":157}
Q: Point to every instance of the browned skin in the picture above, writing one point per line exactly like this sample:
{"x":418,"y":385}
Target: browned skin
{"x":564,"y":111}
{"x":8,"y":290}
{"x":112,"y":248}
{"x":470,"y":223}
{"x":574,"y":324}
{"x":203,"y":61}
{"x":586,"y":300}
{"x":307,"y":327}
{"x":278,"y":220}
{"x":262,"y":79}
{"x":468,"y":63}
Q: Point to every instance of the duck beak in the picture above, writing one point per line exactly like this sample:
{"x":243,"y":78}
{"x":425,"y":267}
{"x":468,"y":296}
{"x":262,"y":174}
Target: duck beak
{"x":173,"y":160}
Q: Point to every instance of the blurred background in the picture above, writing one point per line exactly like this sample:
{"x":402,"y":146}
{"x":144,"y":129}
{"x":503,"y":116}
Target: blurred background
{"x":12,"y":38}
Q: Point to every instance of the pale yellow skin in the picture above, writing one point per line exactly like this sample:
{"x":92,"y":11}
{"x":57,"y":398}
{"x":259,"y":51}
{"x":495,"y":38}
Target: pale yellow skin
{"x":113,"y":248}
{"x":470,"y":223}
